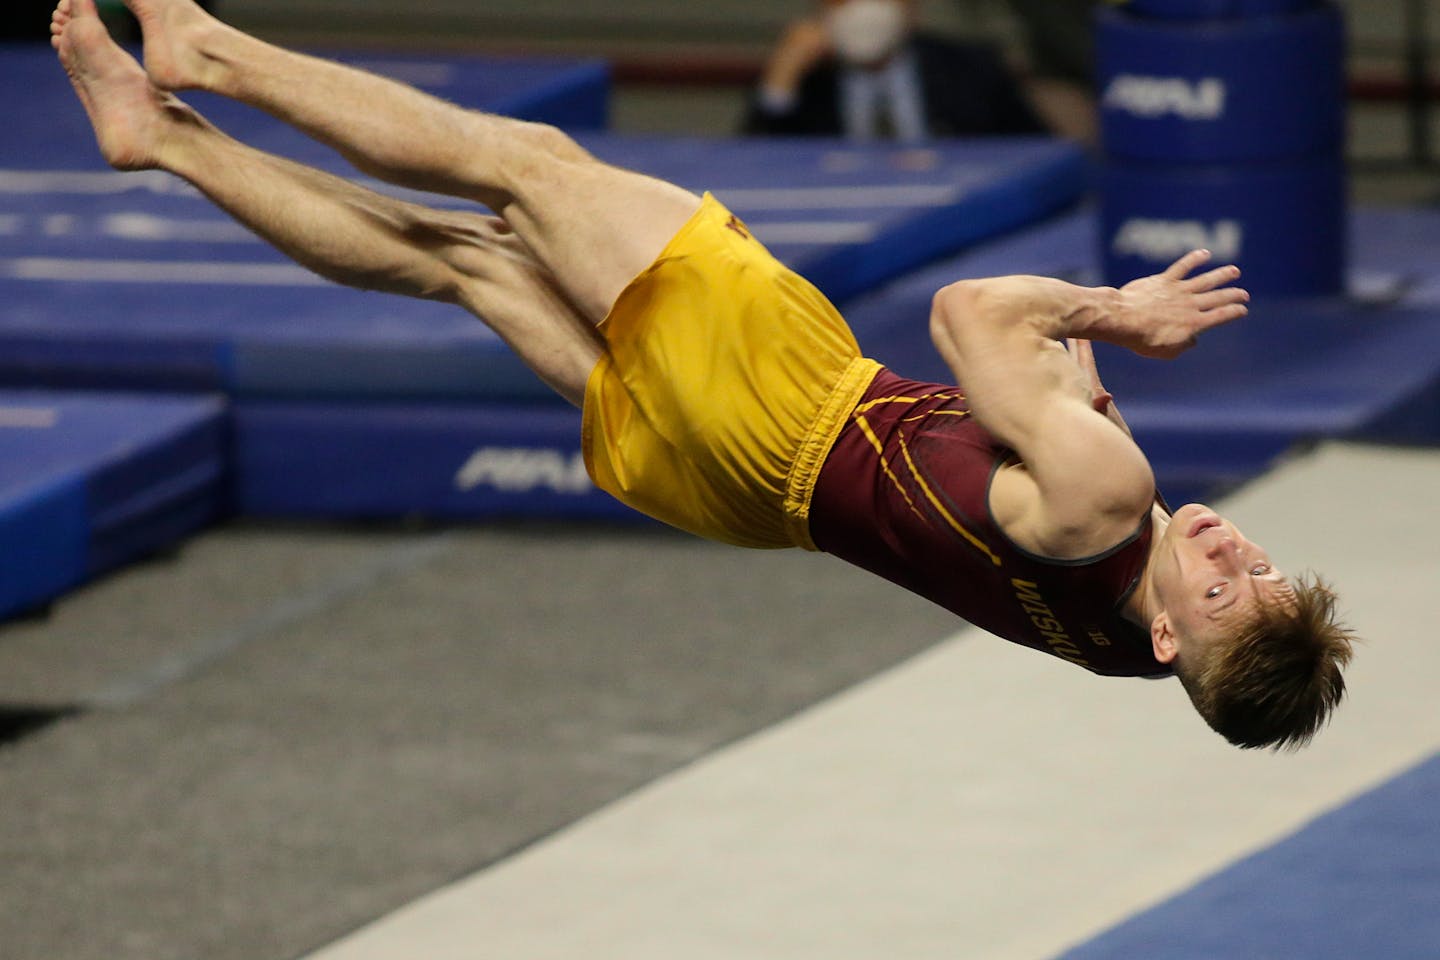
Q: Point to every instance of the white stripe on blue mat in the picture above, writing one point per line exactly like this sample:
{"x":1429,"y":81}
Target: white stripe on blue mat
{"x":841,"y":198}
{"x":159,"y":271}
{"x":88,"y":183}
{"x":839,"y":233}
{"x":980,"y":801}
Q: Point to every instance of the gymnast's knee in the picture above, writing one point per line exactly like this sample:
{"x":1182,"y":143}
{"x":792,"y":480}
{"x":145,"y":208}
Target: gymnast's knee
{"x":557,"y":143}
{"x":539,"y":153}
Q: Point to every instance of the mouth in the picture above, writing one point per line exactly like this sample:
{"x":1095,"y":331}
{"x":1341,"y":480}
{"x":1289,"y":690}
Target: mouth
{"x":1202,"y":523}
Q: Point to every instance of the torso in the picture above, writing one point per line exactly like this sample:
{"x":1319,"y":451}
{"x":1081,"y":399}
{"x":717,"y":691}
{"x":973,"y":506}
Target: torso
{"x":905,"y":493}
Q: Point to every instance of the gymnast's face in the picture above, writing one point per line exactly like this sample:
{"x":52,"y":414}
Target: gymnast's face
{"x":1209,"y":577}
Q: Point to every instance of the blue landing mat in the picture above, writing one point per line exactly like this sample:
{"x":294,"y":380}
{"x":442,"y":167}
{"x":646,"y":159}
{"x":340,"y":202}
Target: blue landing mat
{"x":373,"y":460}
{"x":90,"y":481}
{"x":118,"y":281}
{"x":1362,"y":881}
{"x":1365,"y":367}
{"x":132,"y":281}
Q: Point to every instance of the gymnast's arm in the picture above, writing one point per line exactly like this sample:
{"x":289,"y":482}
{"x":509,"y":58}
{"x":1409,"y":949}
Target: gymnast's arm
{"x":1085,"y":482}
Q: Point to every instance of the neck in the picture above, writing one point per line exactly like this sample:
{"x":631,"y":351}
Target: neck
{"x":1144,"y":604}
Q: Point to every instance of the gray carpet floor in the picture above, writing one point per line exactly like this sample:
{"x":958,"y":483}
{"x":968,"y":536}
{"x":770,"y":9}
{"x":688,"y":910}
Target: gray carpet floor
{"x":287,"y":731}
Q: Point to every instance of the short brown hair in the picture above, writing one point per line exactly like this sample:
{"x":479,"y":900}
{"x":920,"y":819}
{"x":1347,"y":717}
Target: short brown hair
{"x":1274,"y":681}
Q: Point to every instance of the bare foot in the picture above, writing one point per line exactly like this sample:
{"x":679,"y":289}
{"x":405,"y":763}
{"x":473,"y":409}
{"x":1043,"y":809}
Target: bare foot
{"x":129,"y":115}
{"x":174,"y":33}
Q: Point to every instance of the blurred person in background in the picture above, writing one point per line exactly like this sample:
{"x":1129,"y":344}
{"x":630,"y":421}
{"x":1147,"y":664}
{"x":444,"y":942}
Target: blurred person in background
{"x":862,"y":69}
{"x":1059,"y":46}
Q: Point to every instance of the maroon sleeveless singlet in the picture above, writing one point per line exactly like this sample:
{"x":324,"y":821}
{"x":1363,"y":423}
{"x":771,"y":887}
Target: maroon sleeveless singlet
{"x":904,"y":494}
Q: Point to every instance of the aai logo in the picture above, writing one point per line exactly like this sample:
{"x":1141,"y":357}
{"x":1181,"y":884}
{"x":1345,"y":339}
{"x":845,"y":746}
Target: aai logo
{"x":523,"y":469}
{"x":1154,"y":97}
{"x":1166,"y":240}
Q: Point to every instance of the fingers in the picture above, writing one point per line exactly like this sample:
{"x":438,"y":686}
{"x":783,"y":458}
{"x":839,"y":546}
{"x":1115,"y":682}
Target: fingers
{"x":1225,"y":314}
{"x":1213,"y":278}
{"x":1181,"y":268}
{"x":1221,"y":298}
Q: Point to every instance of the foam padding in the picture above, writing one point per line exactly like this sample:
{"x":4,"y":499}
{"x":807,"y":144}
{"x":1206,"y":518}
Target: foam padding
{"x":134,"y":281}
{"x":1362,"y":881}
{"x":90,"y":481}
{"x":1283,"y":224}
{"x":374,"y":460}
{"x":1220,"y":91}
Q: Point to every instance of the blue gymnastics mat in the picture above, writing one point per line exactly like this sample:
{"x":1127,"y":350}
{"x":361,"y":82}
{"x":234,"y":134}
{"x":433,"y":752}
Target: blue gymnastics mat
{"x":133,"y":281}
{"x":1361,"y":881}
{"x":385,"y":460}
{"x":119,"y":281}
{"x":1364,"y":367}
{"x":90,"y":481}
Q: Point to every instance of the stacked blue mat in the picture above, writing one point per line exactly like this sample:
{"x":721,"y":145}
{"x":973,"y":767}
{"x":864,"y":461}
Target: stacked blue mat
{"x":345,"y":404}
{"x":90,"y":481}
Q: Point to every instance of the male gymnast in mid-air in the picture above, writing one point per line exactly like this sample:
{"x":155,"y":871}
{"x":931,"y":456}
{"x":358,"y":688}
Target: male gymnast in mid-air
{"x":723,"y":394}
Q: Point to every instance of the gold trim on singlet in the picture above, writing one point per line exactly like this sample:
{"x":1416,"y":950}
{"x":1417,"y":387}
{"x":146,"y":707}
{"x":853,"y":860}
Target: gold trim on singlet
{"x":934,"y":500}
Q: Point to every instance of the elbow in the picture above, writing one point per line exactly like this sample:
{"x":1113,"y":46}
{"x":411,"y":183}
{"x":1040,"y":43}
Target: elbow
{"x":952,"y":305}
{"x":961,"y":298}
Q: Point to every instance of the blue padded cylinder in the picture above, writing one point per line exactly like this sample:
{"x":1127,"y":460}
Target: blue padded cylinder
{"x":1221,"y":91}
{"x":1216,"y":9}
{"x":1284,"y":224}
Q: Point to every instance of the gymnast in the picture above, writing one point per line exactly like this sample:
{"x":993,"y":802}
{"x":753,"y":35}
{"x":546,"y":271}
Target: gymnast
{"x":724,"y":395}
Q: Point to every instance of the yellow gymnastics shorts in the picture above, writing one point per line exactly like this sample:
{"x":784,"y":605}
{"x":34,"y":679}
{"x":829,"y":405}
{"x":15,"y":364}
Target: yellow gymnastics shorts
{"x":725,"y":381}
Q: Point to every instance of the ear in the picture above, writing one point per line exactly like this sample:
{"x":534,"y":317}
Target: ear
{"x":1162,"y":638}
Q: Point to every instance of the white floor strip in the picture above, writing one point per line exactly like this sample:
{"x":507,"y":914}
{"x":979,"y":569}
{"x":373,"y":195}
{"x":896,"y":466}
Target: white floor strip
{"x":980,"y":801}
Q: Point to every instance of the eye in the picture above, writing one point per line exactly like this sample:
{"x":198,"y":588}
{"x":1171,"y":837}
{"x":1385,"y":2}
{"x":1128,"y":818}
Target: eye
{"x":1260,"y":569}
{"x":1215,"y":591}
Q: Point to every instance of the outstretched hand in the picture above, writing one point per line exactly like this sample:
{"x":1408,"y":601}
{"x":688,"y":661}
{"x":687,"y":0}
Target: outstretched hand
{"x":1162,"y":315}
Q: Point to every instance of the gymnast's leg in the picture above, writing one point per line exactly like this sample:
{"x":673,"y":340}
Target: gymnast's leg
{"x":341,"y":231}
{"x":595,"y":226}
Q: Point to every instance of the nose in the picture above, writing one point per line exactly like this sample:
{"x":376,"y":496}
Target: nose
{"x":1224,"y":548}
